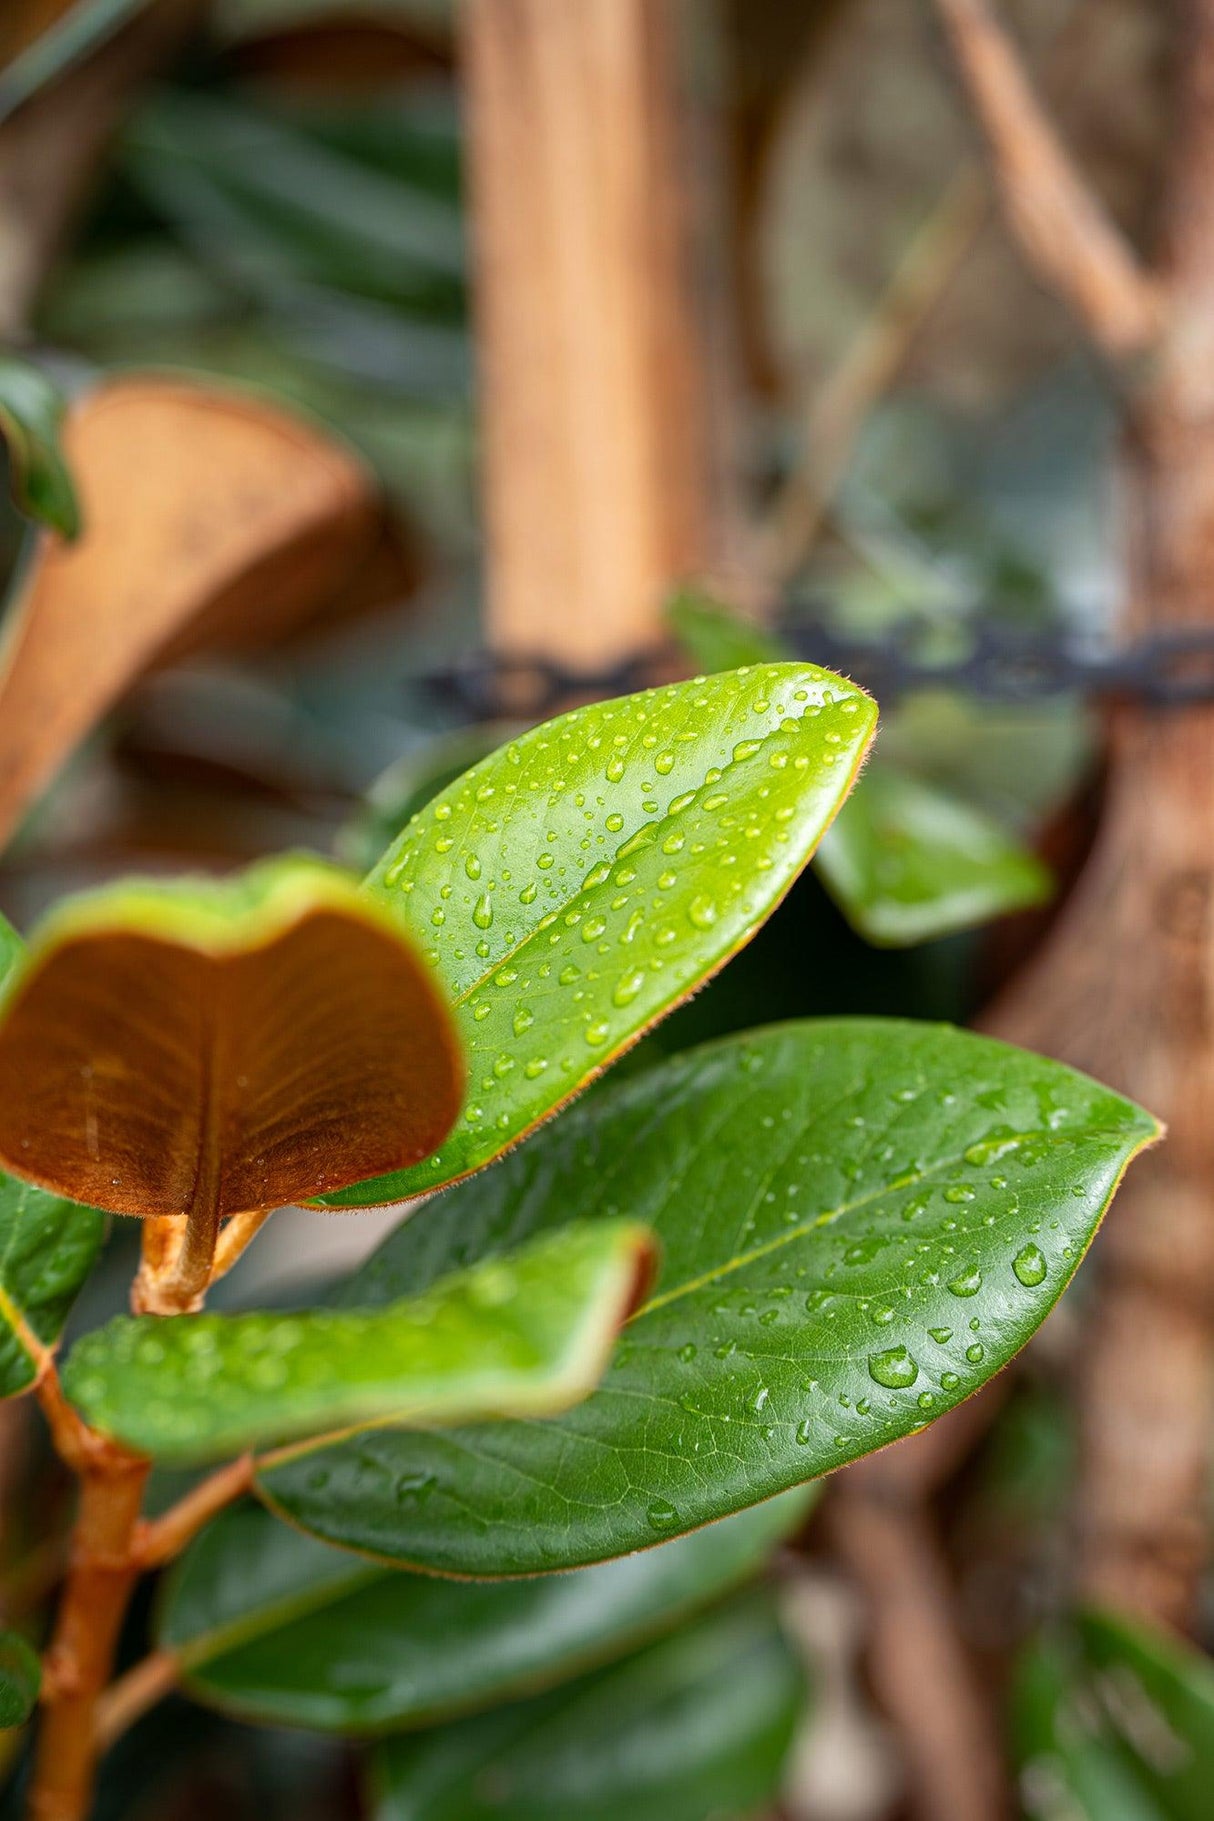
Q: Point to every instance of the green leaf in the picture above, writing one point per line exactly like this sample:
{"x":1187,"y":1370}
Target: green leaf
{"x":250,"y":1040}
{"x":20,"y":1679}
{"x":73,"y":36}
{"x":862,"y":1220}
{"x":579,"y":883}
{"x":47,"y":1249}
{"x":521,"y":1336}
{"x":906,"y":862}
{"x":1157,"y":1693}
{"x":275,"y":1627}
{"x":31,"y":412}
{"x":1068,"y":1763}
{"x":695,"y":1727}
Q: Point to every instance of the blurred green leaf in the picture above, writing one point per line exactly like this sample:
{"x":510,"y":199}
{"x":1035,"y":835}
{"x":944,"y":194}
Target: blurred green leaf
{"x":861,"y":1220}
{"x":276,"y":1627}
{"x":20,"y":1679}
{"x":696,"y":1727}
{"x":31,"y":413}
{"x":519,"y":1336}
{"x":1157,"y":1693}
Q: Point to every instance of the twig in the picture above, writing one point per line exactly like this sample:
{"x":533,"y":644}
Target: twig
{"x":881,"y":1526}
{"x":237,"y":1235}
{"x":1063,"y":228}
{"x":133,"y":1694}
{"x":159,"y":1540}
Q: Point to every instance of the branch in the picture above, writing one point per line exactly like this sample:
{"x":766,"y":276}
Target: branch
{"x":1063,"y":228}
{"x":162,"y":1538}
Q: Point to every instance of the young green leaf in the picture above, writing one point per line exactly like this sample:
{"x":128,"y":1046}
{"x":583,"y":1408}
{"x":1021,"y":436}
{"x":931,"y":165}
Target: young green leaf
{"x":47,"y":1249}
{"x":520,"y":1337}
{"x":906,"y":862}
{"x":275,"y":1627}
{"x":862,"y":1220}
{"x":31,"y":411}
{"x":256,"y":1040}
{"x":20,"y":1679}
{"x":696,"y":1727}
{"x":576,"y":885}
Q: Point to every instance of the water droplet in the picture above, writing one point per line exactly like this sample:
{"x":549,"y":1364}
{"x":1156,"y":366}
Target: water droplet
{"x":597,"y":1033}
{"x":523,"y":1020}
{"x":804,"y":1432}
{"x":941,"y":1336}
{"x":472,"y":866}
{"x":687,"y":1353}
{"x":895,"y":1368}
{"x":482,"y":915}
{"x":949,"y":1381}
{"x":615,"y":822}
{"x":535,"y":1067}
{"x":528,"y":893}
{"x":1029,"y":1266}
{"x":627,"y":988}
{"x":664,"y":763}
{"x":662,"y":1515}
{"x":975,"y":1354}
{"x":967,"y":1283}
{"x":960,"y":1191}
{"x":746,"y":749}
{"x":702,"y":911}
{"x":615,"y":769}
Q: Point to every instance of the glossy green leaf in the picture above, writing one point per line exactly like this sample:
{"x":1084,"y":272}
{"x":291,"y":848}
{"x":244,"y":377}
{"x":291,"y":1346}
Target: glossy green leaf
{"x":47,"y":1248}
{"x":246,"y":1041}
{"x":519,"y":1336}
{"x":276,"y":1627}
{"x":1157,"y":1695}
{"x":20,"y":1679}
{"x":696,"y":1727}
{"x":906,"y":862}
{"x":580,"y":882}
{"x":31,"y":411}
{"x":861,"y":1221}
{"x":78,"y":31}
{"x":1069,"y":1766}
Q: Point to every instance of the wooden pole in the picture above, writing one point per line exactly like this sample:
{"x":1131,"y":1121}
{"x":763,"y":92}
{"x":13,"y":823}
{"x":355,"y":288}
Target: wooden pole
{"x":596,"y":450}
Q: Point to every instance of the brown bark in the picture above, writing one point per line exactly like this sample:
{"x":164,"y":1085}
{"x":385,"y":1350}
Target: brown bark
{"x":597,"y":484}
{"x":1123,"y":987}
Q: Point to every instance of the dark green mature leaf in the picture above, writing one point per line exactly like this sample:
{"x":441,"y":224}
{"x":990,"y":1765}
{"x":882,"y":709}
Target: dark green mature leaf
{"x":862,"y":1220}
{"x":1157,"y":1694}
{"x":907,"y":862}
{"x":47,"y":1248}
{"x":576,"y":885}
{"x":697,"y":1726}
{"x":518,"y":1336}
{"x":250,"y":1040}
{"x":1070,"y":1768}
{"x":73,"y":36}
{"x":276,"y":1627}
{"x":31,"y":411}
{"x":20,"y":1679}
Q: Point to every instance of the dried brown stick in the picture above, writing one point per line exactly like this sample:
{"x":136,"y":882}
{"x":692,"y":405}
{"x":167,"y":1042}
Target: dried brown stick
{"x":1066,"y":234}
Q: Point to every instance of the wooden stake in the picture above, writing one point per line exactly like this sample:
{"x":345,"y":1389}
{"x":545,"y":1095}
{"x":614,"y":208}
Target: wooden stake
{"x":596,"y":466}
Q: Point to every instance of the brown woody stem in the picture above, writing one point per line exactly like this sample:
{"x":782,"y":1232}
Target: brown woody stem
{"x":167,"y":1536}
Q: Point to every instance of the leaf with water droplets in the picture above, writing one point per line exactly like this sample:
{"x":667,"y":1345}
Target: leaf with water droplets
{"x":623,"y":853}
{"x":275,"y":1627}
{"x":261,"y":1038}
{"x":698,"y":1725}
{"x":20,"y":1679}
{"x":517,"y":1336}
{"x":841,"y":1205}
{"x":905,"y":861}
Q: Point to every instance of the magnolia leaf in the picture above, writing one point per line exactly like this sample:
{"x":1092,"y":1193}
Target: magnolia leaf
{"x":514,"y":1337}
{"x":582,"y":881}
{"x":907,"y":862}
{"x":20,"y":1679}
{"x":1071,"y":1767}
{"x":862,"y":1220}
{"x":47,"y":1248}
{"x":277,"y":1628}
{"x":241,"y":1043}
{"x":210,"y":518}
{"x":695,"y":1728}
{"x":31,"y":412}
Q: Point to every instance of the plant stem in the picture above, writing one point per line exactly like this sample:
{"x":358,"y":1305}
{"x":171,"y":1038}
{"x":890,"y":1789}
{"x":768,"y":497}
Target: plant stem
{"x":102,"y":1573}
{"x":133,"y":1694}
{"x":167,"y":1536}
